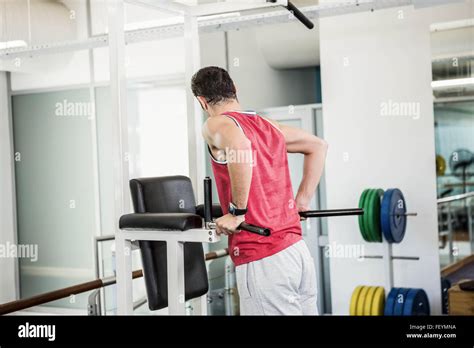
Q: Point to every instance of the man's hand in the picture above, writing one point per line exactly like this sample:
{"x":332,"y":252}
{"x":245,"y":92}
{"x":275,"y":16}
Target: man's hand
{"x":228,"y":224}
{"x":302,"y":204}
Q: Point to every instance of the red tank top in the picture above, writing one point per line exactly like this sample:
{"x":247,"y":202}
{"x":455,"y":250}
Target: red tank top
{"x":271,"y":201}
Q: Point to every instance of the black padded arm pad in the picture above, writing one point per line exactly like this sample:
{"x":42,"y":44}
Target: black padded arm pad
{"x":216,"y":210}
{"x":160,"y":221}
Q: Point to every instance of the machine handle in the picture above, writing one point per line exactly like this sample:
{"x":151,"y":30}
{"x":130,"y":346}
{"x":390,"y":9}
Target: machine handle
{"x":328,"y":213}
{"x":255,"y":229}
{"x":247,"y":227}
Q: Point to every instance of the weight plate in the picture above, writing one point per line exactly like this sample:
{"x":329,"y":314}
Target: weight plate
{"x":369,"y":299}
{"x":367,"y":207}
{"x":373,"y":217}
{"x":361,"y":217}
{"x":354,"y":298}
{"x":391,"y":298}
{"x":461,"y":161}
{"x":400,"y":301}
{"x":416,"y":303}
{"x":445,"y":285}
{"x":361,"y":300}
{"x":392,"y":216}
{"x":385,"y":215}
{"x":440,"y":165}
{"x":378,"y":301}
{"x":367,"y":213}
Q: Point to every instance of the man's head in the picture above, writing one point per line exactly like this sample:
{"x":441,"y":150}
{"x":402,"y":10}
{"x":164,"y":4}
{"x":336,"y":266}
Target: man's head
{"x":213,"y":86}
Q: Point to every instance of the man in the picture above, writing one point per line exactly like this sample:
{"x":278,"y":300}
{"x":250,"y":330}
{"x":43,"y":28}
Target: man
{"x":275,"y":274}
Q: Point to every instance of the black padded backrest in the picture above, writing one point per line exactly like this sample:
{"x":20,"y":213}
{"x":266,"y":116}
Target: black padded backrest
{"x":167,"y":194}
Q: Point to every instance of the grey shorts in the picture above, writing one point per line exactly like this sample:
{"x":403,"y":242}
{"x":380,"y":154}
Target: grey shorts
{"x":281,"y":284}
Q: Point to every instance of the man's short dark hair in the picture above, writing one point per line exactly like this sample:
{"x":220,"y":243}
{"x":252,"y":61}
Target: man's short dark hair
{"x":214,"y":84}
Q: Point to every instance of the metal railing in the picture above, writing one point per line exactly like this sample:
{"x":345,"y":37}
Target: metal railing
{"x":446,"y":207}
{"x":40,"y":299}
{"x":454,"y":198}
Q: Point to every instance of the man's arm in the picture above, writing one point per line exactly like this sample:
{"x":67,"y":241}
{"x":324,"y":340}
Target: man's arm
{"x":314,"y":150}
{"x":223,"y":134}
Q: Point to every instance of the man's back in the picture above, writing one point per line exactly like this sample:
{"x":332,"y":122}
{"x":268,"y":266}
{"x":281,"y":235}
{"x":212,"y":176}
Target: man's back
{"x":271,"y":199}
{"x":275,"y":274}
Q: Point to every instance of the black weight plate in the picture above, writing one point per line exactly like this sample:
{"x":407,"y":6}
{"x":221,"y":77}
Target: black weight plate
{"x":445,"y":285}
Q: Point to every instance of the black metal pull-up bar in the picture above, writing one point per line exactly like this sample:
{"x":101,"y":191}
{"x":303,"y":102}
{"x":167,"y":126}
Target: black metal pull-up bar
{"x":296,"y":12}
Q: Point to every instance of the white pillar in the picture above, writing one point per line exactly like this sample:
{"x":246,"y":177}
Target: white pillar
{"x":118,"y":98}
{"x":8,"y":232}
{"x":194,"y":111}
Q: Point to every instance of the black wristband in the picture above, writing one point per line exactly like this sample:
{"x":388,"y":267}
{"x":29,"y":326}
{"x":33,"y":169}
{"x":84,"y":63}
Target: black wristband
{"x":235,"y":211}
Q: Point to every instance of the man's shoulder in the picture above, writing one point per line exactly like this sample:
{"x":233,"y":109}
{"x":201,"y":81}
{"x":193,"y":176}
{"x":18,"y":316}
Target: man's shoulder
{"x":216,"y":123}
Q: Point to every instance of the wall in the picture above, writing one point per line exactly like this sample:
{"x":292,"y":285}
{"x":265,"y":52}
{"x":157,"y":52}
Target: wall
{"x":367,"y":60}
{"x":258,"y":85}
{"x":8,"y":266}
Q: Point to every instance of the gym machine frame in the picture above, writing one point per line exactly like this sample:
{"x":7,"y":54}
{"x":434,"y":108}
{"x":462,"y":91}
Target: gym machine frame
{"x":175,"y":257}
{"x":174,"y":247}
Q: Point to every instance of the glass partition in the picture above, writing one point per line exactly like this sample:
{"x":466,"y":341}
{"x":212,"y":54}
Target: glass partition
{"x":55,"y":190}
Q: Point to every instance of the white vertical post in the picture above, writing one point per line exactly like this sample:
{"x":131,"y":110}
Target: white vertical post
{"x":123,"y":257}
{"x":388,"y":265}
{"x":95,"y":150}
{"x":203,"y":305}
{"x":93,"y":119}
{"x":9,"y":276}
{"x":176,"y":294}
{"x":194,"y":112}
{"x":118,"y":97}
{"x":200,"y":305}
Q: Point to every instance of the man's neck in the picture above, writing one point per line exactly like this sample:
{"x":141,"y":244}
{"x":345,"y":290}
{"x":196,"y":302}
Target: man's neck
{"x":218,"y":110}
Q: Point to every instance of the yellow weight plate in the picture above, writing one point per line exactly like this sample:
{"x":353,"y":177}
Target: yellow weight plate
{"x":378,"y":302}
{"x":440,"y":165}
{"x":361,"y":300}
{"x":354,"y":298}
{"x":368,"y":300}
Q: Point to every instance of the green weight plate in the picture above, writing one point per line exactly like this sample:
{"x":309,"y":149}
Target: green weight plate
{"x":368,"y":215}
{"x":373,"y":218}
{"x":362,"y":229}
